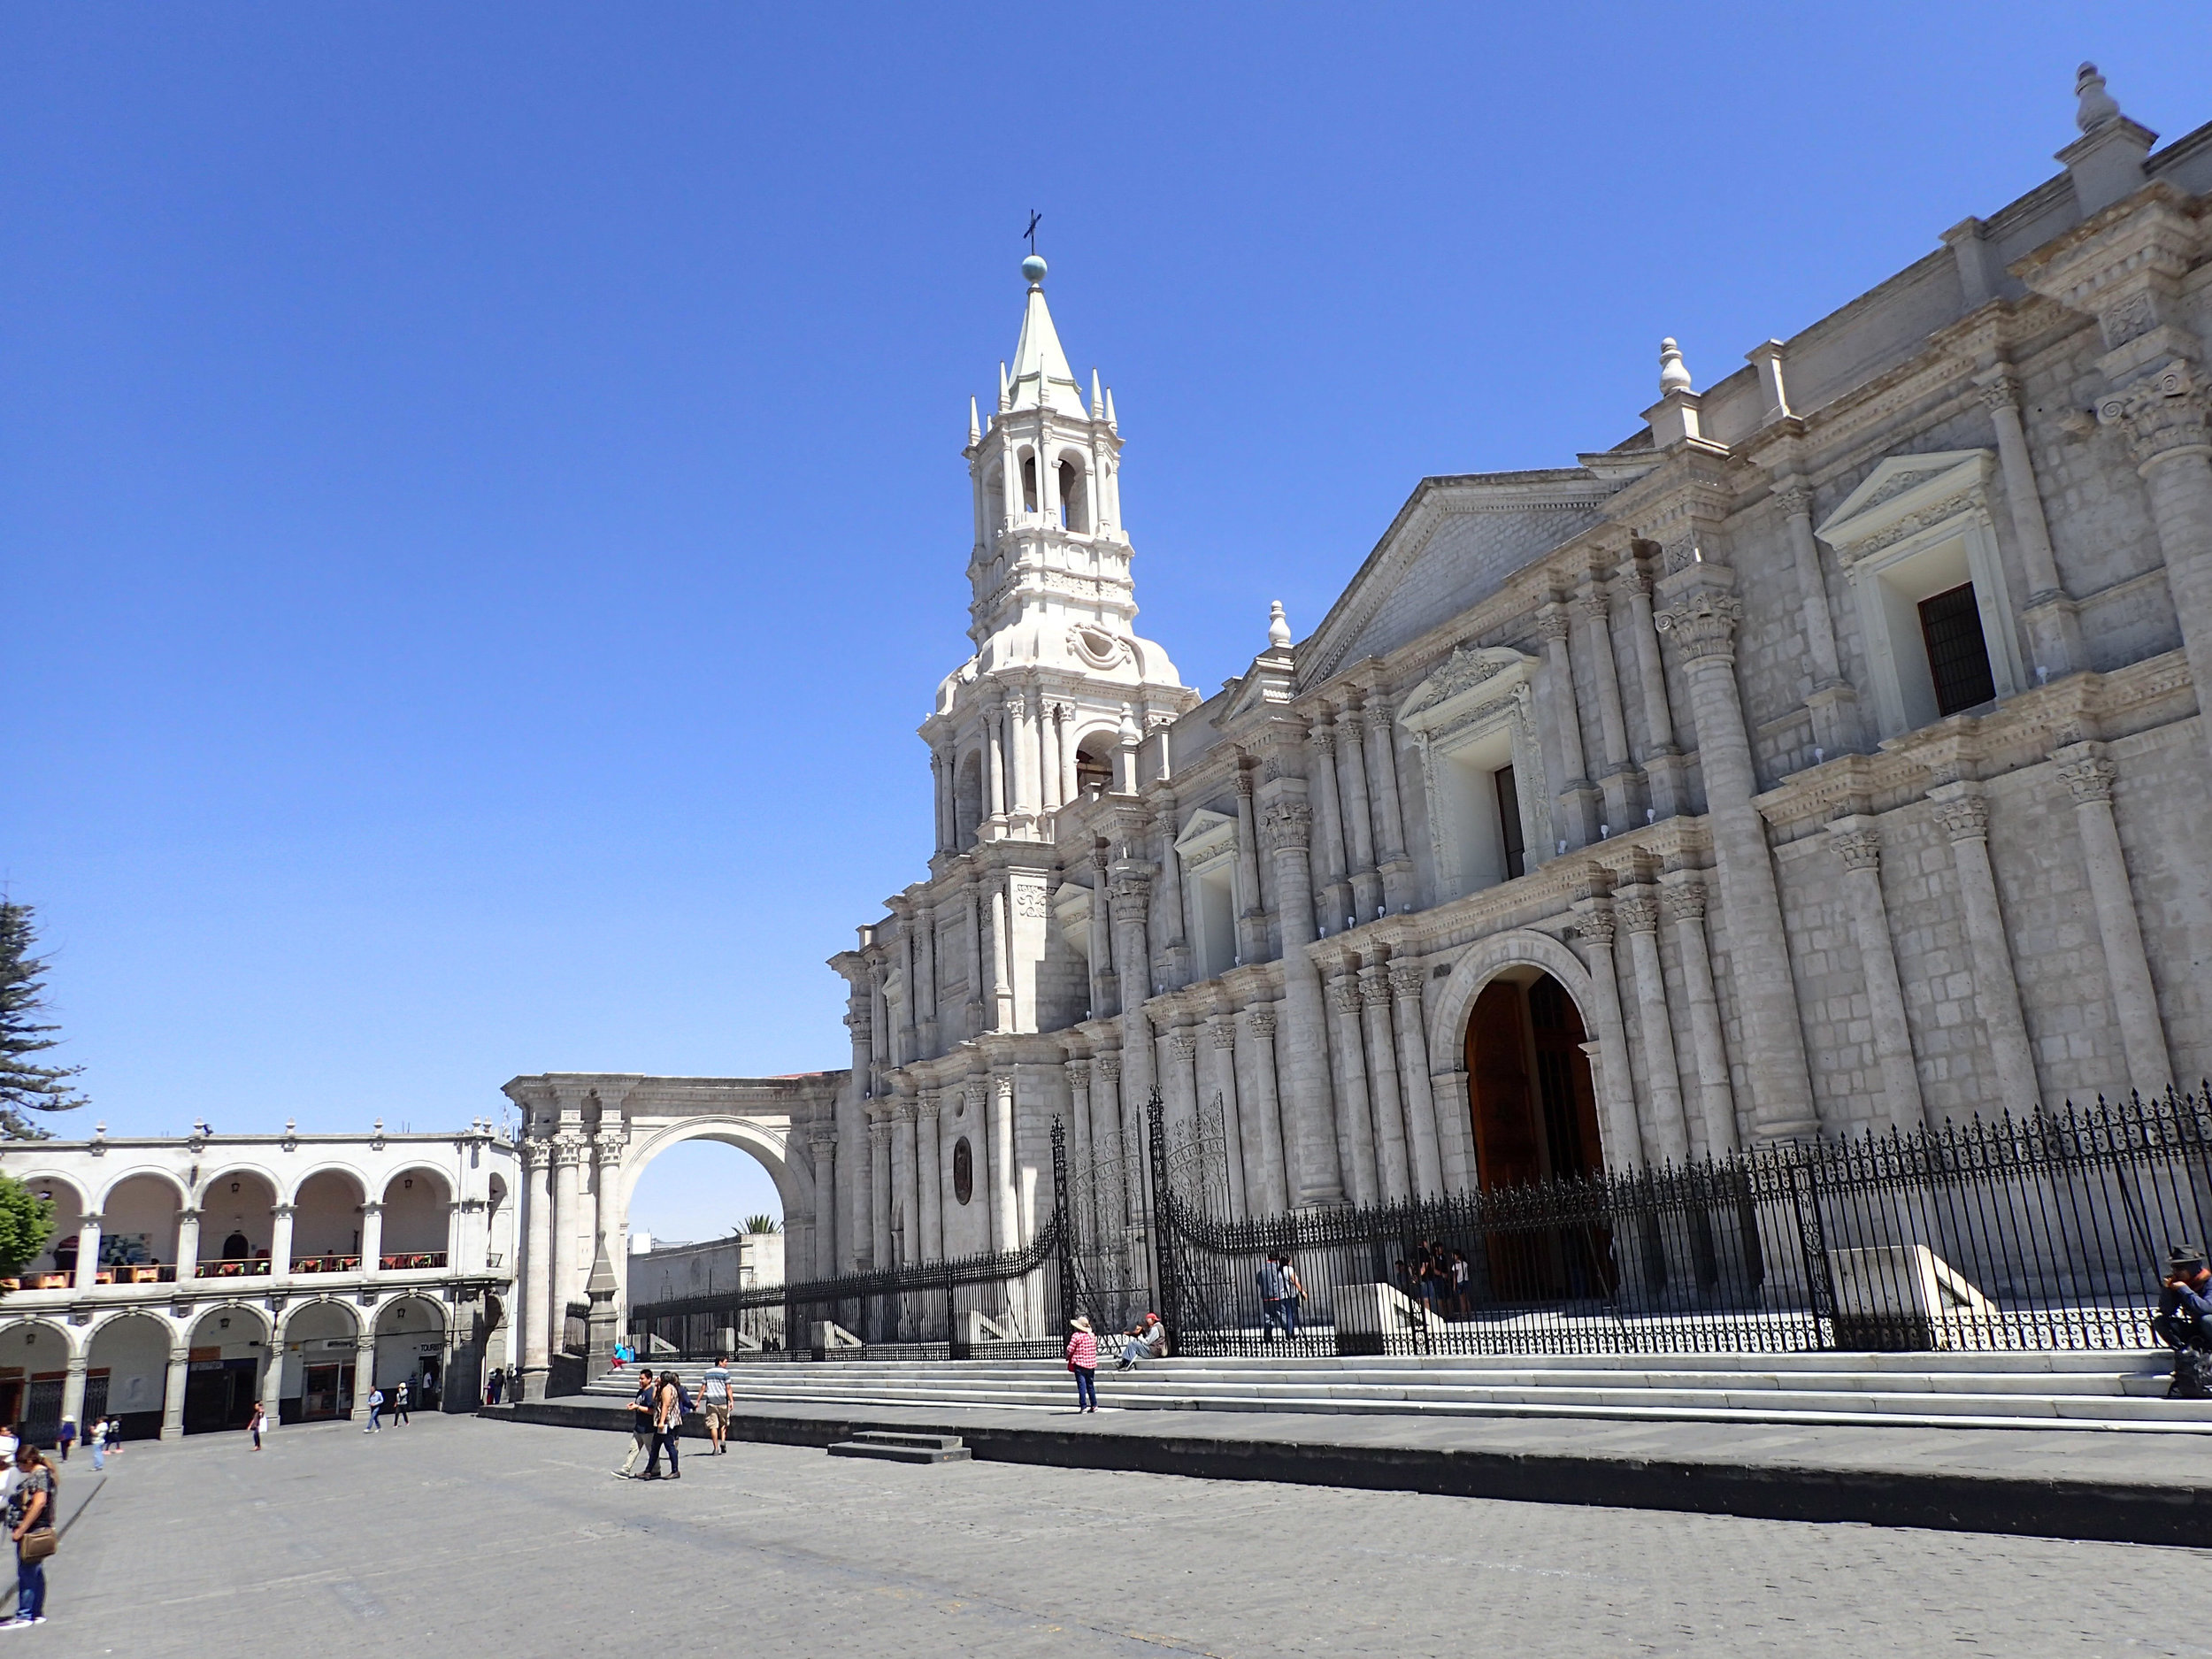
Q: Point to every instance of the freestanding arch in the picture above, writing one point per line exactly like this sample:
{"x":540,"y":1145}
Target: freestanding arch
{"x":1601,"y":1015}
{"x":795,"y":1187}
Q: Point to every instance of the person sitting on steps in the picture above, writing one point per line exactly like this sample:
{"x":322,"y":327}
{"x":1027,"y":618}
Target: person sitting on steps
{"x":2183,"y":1322}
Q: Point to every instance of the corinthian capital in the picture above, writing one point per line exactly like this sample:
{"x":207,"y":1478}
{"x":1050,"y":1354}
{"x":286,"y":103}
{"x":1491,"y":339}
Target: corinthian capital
{"x":1964,"y":816}
{"x":1686,"y":900}
{"x":2161,"y":415}
{"x":1638,"y":912}
{"x":2089,"y":780}
{"x":1703,"y":625}
{"x":1289,"y":825}
{"x":1553,"y":623}
{"x":1596,"y":924}
{"x":1859,"y":848}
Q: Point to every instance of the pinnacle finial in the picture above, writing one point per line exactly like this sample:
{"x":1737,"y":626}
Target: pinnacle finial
{"x":2098,"y":107}
{"x":1674,"y":374}
{"x":1005,"y":389}
{"x":1033,"y":271}
{"x":975,"y":424}
{"x":1278,"y":626}
{"x":1113,"y":425}
{"x":1098,"y":404}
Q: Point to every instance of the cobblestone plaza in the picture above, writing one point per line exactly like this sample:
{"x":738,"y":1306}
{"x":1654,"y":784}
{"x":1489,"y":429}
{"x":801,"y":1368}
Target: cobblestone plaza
{"x":457,"y":1536}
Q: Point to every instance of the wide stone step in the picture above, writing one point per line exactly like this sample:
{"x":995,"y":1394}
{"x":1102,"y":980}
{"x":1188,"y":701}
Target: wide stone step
{"x":890,"y":1447}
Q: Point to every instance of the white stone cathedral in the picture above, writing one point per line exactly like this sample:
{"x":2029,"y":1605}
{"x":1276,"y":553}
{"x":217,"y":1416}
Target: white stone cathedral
{"x":1824,"y":756}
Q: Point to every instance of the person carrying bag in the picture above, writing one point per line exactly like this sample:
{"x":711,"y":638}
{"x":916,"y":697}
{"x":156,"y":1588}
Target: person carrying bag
{"x":31,"y":1515}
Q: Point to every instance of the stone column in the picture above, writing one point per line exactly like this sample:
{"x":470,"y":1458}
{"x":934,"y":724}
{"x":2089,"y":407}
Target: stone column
{"x":972,"y":918}
{"x":173,"y":1393}
{"x":1269,"y":1184}
{"x":1103,"y":1001}
{"x":1618,"y":779}
{"x":72,"y":1387}
{"x":904,"y":1052}
{"x":1426,"y":1149}
{"x":940,"y":797}
{"x":1834,"y":704}
{"x":1616,"y":1088}
{"x":1335,"y":899}
{"x":188,"y":1243}
{"x":1181,"y":1088}
{"x":1390,"y":822}
{"x":1222,"y":1029}
{"x":1176,"y":951}
{"x":999,"y":998}
{"x":929,"y":1159}
{"x":1359,"y":821}
{"x":1050,"y":731}
{"x":2053,"y":625}
{"x":1662,"y":760}
{"x":372,"y":1237}
{"x":995,"y":763}
{"x":1131,"y":896}
{"x":1639,"y":912}
{"x":1717,"y":1098}
{"x":1576,"y":793}
{"x":2163,"y":417}
{"x":886,"y":1043}
{"x":1069,"y":792}
{"x":1080,"y":1156}
{"x":88,"y":1245}
{"x":1022,"y":738}
{"x":880,"y":1183}
{"x":1963,"y":811}
{"x":1109,"y":1116}
{"x":537,"y":1262}
{"x":607,"y":1233}
{"x":1355,"y":1119}
{"x":1393,"y":1164}
{"x":364,"y":1358}
{"x":1005,"y":1210}
{"x":823,"y":1141}
{"x":855,"y":1228}
{"x":569,"y":1267}
{"x":1252,"y":924}
{"x":1703,"y":623}
{"x":906,"y":1170}
{"x":1858,"y":844}
{"x":926,"y":970}
{"x":2089,"y":776}
{"x":1316,"y":1171}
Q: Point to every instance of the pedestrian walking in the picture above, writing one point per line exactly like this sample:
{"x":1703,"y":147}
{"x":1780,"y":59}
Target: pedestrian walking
{"x":399,"y":1402}
{"x":115,"y":1435}
{"x":376,"y":1412}
{"x":668,"y":1423}
{"x":68,"y":1436}
{"x":1272,"y":1289}
{"x":714,"y":1395}
{"x":1083,"y":1361}
{"x":1294,"y":1293}
{"x":253,"y":1424}
{"x":97,"y":1438}
{"x":643,"y":1405}
{"x":499,"y":1384}
{"x":31,"y":1527}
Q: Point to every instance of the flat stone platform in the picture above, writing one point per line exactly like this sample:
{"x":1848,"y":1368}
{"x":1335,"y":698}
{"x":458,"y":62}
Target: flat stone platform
{"x":2125,"y":1488}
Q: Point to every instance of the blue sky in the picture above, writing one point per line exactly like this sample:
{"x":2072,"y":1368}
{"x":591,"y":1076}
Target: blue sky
{"x":480,"y":491}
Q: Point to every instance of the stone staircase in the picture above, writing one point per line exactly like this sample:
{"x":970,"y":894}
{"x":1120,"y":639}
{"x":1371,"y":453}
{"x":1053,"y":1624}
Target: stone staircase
{"x":886,"y":1446}
{"x":2105,"y":1390}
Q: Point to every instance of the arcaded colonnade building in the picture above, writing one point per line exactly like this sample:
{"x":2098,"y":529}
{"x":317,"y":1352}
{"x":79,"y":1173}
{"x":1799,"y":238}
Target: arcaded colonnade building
{"x":188,"y":1279}
{"x":1825,"y":754}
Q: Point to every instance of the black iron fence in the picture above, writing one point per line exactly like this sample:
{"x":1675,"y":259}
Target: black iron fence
{"x":2044,"y":1231}
{"x":1009,"y":1303}
{"x":2041,"y":1231}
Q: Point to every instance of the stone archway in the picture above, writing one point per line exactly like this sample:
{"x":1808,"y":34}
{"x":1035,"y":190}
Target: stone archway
{"x":765,"y":1145}
{"x":1525,"y":955}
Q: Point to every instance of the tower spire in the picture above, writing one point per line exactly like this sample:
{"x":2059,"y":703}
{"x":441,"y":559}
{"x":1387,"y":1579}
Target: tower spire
{"x":975,"y":424}
{"x":1042,"y":379}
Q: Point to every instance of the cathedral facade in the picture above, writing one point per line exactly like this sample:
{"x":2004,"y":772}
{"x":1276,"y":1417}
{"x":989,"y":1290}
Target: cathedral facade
{"x":1824,"y":756}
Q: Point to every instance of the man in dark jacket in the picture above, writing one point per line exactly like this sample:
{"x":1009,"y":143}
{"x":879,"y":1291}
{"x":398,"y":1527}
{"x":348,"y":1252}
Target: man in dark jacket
{"x":2183,"y":1322}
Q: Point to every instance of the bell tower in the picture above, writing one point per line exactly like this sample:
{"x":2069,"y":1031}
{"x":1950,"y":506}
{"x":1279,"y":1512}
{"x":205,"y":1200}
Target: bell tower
{"x":1035,"y":718}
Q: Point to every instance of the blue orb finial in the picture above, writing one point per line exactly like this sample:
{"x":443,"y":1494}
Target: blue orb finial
{"x":1033,"y":268}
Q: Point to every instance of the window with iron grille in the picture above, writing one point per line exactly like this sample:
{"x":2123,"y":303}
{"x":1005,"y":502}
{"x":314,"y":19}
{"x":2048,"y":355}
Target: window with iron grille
{"x":1958,"y":656}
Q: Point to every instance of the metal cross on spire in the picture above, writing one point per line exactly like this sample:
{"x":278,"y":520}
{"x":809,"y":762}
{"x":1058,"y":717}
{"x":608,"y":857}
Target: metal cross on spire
{"x":1031,"y":232}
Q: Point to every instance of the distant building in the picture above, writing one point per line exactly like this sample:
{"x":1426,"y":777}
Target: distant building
{"x":188,"y":1279}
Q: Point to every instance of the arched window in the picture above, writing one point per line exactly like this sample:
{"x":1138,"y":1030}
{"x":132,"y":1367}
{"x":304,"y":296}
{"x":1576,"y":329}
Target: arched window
{"x":1094,"y":765}
{"x":1029,"y":483}
{"x":1075,"y":497}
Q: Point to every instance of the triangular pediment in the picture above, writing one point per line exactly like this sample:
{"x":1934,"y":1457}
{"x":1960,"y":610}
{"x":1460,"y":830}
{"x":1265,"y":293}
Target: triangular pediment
{"x":1903,"y":487}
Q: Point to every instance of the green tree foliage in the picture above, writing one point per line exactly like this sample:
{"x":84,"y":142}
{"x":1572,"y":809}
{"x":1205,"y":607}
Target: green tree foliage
{"x":26,"y":1221}
{"x":761,"y":1224}
{"x":26,"y":1086}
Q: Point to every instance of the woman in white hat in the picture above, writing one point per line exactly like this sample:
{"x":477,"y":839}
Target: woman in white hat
{"x":1083,"y":1361}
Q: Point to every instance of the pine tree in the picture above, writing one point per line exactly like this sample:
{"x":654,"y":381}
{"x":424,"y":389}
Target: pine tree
{"x":25,"y":1085}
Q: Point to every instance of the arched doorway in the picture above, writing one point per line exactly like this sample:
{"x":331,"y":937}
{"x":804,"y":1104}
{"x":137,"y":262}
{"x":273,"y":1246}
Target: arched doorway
{"x":411,"y":1349}
{"x":34,"y":1370}
{"x":320,"y":1341}
{"x":126,"y":1374}
{"x":1533,"y":1106}
{"x":222,"y":1373}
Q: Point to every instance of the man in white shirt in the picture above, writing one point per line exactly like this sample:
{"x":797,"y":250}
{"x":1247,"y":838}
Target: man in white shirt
{"x":715,"y":1395}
